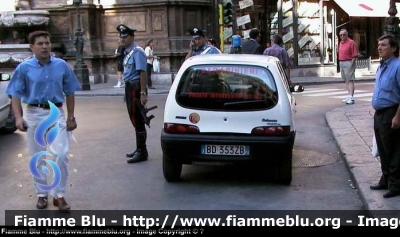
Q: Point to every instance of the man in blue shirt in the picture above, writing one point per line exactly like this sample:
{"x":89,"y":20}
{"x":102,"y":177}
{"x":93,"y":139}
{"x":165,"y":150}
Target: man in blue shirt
{"x":385,"y":101}
{"x":277,"y":50}
{"x":36,"y":82}
{"x":135,"y":77}
{"x":199,"y":45}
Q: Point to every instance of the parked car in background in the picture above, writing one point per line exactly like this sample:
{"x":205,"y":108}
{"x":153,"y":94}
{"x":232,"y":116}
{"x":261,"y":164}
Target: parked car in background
{"x":7,"y":120}
{"x":230,"y":108}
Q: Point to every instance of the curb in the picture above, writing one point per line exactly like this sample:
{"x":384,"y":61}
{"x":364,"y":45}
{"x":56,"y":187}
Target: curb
{"x":352,"y":128}
{"x":92,"y":94}
{"x":329,"y":82}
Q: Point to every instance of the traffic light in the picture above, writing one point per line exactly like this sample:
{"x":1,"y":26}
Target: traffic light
{"x":227,"y":9}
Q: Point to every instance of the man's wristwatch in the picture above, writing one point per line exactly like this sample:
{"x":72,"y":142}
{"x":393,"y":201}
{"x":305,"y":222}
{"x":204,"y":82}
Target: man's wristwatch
{"x":143,"y":93}
{"x":71,"y":118}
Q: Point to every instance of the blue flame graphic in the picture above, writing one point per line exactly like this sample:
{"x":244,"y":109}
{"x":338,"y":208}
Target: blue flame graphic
{"x":51,"y":124}
{"x":35,"y":172}
{"x":47,"y":123}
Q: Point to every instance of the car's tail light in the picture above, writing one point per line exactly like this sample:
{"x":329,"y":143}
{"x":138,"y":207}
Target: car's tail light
{"x":180,"y":128}
{"x":271,"y":131}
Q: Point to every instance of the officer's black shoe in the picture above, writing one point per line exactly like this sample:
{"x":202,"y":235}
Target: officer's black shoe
{"x":131,"y":154}
{"x":391,"y":194}
{"x":378,"y":187}
{"x":140,"y":155}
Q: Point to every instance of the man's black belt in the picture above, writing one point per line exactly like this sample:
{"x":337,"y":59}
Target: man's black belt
{"x":394,"y":107}
{"x":131,"y":83}
{"x":46,"y":106}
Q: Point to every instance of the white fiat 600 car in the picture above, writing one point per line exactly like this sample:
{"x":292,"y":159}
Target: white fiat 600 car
{"x":227,"y":108}
{"x":7,"y":120}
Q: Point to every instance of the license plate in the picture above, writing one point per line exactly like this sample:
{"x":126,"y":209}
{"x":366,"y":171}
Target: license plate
{"x":225,"y":150}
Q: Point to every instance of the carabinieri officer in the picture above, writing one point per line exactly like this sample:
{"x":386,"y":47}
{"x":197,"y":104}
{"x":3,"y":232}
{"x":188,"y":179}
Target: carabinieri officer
{"x":135,"y":77}
{"x":199,"y":44}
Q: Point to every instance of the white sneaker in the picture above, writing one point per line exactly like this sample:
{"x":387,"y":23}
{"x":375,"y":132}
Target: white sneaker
{"x":119,"y":85}
{"x":345,"y":100}
{"x":350,"y":101}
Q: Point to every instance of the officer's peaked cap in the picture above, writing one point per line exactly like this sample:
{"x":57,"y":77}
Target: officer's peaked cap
{"x":196,"y":32}
{"x":124,"y":31}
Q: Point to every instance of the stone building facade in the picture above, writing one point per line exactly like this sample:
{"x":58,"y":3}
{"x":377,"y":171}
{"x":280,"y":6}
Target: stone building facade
{"x":167,"y":22}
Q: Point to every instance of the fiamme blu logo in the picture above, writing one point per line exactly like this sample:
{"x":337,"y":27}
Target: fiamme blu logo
{"x":45,"y":134}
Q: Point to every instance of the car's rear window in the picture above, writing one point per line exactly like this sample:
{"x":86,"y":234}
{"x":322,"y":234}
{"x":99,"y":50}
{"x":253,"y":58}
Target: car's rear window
{"x":227,"y":88}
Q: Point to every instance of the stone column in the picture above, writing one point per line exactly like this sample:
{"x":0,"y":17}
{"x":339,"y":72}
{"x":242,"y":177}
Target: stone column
{"x":80,"y":68}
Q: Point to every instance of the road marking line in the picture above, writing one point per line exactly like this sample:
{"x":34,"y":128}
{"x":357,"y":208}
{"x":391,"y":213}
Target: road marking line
{"x":333,"y":93}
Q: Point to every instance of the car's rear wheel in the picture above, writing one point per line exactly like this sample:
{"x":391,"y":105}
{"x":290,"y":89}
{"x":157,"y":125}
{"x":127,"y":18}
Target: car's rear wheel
{"x":283,"y":171}
{"x":172,"y":169}
{"x":9,"y":126}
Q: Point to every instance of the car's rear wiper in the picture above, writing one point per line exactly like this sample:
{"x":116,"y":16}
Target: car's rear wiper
{"x":244,"y":102}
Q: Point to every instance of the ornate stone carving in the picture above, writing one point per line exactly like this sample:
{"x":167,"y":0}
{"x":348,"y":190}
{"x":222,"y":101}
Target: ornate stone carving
{"x":24,"y":18}
{"x":7,"y":19}
{"x":14,"y":57}
{"x":13,"y":49}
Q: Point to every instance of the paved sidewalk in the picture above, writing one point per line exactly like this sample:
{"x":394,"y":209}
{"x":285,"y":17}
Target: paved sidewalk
{"x":352,"y":127}
{"x":107,"y":89}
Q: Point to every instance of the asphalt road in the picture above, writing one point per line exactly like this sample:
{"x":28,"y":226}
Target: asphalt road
{"x":100,"y":178}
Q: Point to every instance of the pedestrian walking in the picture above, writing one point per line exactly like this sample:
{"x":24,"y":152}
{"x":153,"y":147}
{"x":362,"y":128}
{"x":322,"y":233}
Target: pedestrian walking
{"x":385,"y":101}
{"x":251,"y":46}
{"x":277,"y":50}
{"x":120,"y":54}
{"x":150,"y":58}
{"x":347,"y":62}
{"x":35,"y":82}
{"x":135,"y":76}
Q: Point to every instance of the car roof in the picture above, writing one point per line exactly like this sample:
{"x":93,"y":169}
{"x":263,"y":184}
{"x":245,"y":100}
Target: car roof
{"x":232,"y":58}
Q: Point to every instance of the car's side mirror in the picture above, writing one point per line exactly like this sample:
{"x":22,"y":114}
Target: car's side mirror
{"x":296,"y":88}
{"x":5,"y":77}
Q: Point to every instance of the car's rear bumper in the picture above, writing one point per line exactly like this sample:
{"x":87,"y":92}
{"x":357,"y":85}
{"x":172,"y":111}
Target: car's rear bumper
{"x":187,"y":147}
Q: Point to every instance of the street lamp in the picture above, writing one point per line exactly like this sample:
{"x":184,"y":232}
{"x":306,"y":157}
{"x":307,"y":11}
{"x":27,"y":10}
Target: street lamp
{"x":80,"y":68}
{"x":392,"y":23}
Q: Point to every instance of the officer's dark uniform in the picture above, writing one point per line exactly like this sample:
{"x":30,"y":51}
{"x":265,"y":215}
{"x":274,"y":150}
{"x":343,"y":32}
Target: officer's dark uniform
{"x":134,"y":62}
